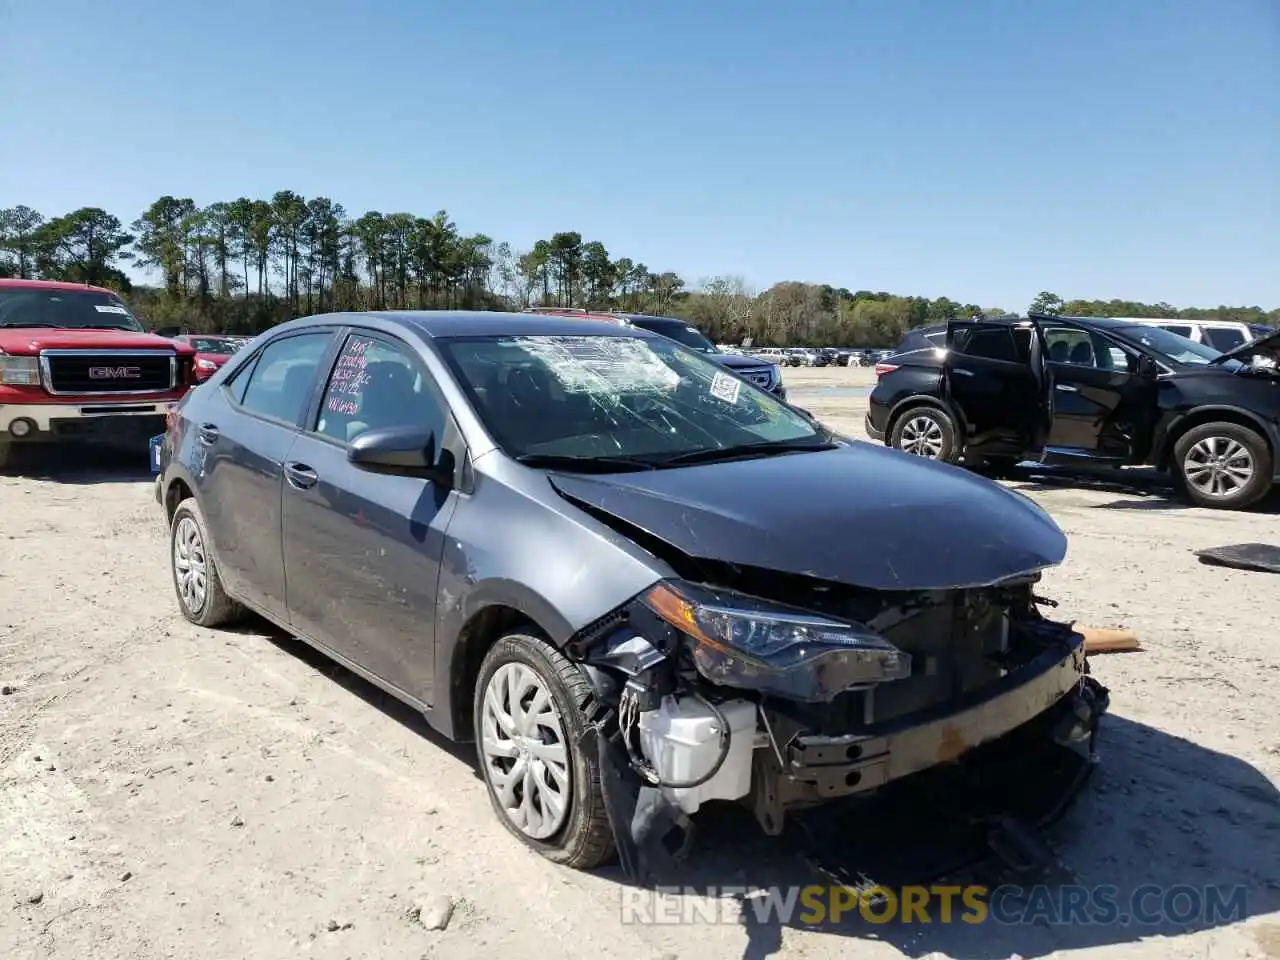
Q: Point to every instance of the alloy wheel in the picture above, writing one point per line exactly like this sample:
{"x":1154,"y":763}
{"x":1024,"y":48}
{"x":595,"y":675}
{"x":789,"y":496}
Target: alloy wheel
{"x":190,"y":564}
{"x":1218,"y":467}
{"x":923,"y":437}
{"x":523,"y":749}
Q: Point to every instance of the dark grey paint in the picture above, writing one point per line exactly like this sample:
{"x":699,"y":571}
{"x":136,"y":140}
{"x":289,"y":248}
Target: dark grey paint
{"x":385,"y":573}
{"x":362,"y":558}
{"x":917,"y":529}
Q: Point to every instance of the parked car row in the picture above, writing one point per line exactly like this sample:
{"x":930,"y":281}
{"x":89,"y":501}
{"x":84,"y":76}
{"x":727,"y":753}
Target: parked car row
{"x":819,"y":356}
{"x":1072,"y":390}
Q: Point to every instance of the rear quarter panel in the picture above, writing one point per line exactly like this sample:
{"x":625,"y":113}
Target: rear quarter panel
{"x":911,"y":381}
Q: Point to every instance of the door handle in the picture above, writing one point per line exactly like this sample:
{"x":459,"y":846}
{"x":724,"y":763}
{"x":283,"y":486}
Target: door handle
{"x":962,"y":371}
{"x":300,"y":475}
{"x":208,"y":433}
{"x":1067,"y":388}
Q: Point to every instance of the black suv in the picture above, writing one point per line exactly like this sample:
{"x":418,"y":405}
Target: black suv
{"x":1074,"y":389}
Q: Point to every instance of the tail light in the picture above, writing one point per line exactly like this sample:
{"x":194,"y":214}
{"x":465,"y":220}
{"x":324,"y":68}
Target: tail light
{"x":883,"y":368}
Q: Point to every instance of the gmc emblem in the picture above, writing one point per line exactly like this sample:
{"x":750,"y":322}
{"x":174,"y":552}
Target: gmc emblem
{"x":115,"y":373}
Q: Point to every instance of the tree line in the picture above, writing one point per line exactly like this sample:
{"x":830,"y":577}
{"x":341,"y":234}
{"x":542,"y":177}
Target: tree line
{"x":242,"y":265}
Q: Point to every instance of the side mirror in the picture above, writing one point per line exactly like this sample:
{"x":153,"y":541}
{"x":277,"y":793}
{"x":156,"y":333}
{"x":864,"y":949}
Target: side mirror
{"x":1146,"y":367}
{"x":402,"y":451}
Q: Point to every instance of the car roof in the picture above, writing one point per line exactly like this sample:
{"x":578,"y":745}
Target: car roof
{"x":650,"y":316}
{"x":438,"y":324}
{"x":13,"y":283}
{"x":1179,"y":321}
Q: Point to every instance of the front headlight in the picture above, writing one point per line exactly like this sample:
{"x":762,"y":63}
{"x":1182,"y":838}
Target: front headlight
{"x":744,"y":641}
{"x":203,"y":364}
{"x":19,"y":371}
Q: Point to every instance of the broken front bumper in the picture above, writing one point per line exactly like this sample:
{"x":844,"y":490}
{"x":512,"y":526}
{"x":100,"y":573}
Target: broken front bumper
{"x":799,"y":768}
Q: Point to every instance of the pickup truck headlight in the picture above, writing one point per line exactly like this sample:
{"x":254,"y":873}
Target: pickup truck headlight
{"x":19,"y":371}
{"x":743,"y":641}
{"x":203,"y":364}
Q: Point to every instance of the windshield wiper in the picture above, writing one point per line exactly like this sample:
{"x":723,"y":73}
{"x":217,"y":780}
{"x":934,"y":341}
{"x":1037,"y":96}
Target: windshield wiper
{"x":555,"y":461}
{"x":764,"y":448}
{"x":28,"y":323}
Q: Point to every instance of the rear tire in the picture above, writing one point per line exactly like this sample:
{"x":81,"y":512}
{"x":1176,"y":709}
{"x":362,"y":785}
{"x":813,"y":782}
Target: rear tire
{"x":196,"y":582}
{"x":925,"y":432}
{"x":530,"y":713}
{"x":6,"y":450}
{"x":1224,"y":466}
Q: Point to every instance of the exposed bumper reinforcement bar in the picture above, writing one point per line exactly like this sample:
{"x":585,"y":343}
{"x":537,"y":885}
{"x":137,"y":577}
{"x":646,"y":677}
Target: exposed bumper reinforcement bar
{"x":808,"y":768}
{"x":852,"y":764}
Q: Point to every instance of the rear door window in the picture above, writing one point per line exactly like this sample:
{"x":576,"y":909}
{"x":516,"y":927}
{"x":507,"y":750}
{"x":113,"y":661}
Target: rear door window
{"x":1069,"y":345}
{"x":280,"y":383}
{"x":987,"y":343}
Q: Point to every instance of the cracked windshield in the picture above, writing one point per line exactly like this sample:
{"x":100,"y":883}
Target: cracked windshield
{"x":595,"y":397}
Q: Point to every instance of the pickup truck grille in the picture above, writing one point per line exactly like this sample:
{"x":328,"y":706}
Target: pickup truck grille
{"x":86,"y":372}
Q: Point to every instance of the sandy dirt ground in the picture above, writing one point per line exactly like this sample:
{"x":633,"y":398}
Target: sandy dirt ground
{"x":167,"y":791}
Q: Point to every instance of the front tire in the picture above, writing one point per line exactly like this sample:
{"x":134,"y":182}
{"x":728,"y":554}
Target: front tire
{"x":529,"y":718}
{"x":1224,"y":466}
{"x":925,"y":432}
{"x":196,"y":582}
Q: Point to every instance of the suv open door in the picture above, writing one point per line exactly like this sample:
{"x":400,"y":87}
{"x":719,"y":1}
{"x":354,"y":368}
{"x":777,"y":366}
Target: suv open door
{"x":994,"y":377}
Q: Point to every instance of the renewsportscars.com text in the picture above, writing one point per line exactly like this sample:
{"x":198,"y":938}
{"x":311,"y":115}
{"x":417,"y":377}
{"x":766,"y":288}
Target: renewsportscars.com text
{"x":1148,"y":905}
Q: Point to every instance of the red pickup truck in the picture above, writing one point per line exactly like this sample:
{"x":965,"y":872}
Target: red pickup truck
{"x":75,"y":364}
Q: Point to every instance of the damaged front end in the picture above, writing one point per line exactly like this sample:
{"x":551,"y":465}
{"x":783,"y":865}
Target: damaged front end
{"x":783,"y":692}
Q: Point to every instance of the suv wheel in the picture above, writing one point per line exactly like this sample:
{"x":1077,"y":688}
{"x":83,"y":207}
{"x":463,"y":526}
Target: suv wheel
{"x":195,"y":573}
{"x":926,"y":432}
{"x":529,"y":721}
{"x":1222,"y":465}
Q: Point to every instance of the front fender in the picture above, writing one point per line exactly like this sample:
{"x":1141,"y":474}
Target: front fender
{"x":516,"y":545}
{"x":1170,"y":427}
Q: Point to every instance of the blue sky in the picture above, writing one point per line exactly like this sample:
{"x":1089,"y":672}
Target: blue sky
{"x":979,"y":149}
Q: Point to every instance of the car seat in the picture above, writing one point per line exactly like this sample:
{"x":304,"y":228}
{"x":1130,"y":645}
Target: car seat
{"x":527,"y":406}
{"x":1082,"y":353}
{"x":295,"y":390}
{"x":1058,"y":351}
{"x":388,"y":399}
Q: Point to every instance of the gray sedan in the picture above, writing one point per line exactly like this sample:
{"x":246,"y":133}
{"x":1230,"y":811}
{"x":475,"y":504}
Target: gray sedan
{"x":632,"y":577}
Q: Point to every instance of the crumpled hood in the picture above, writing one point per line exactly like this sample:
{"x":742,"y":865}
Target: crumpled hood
{"x":862,"y":515}
{"x":31,"y":340}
